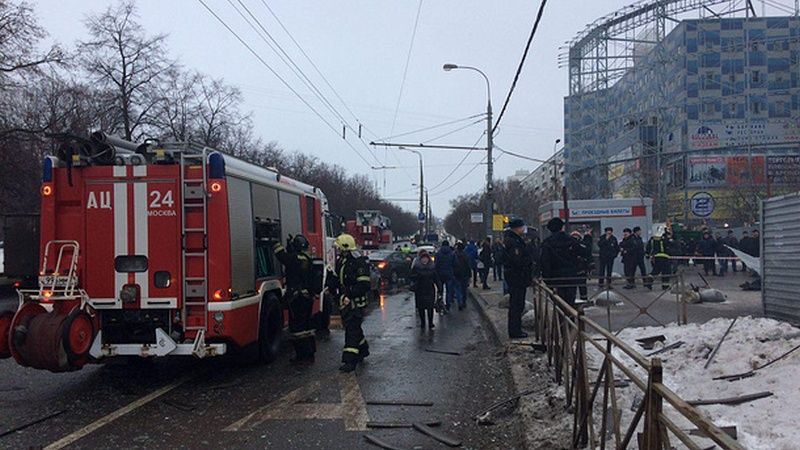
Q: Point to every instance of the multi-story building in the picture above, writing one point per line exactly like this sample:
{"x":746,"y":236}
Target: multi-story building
{"x":546,"y":180}
{"x":704,"y":118}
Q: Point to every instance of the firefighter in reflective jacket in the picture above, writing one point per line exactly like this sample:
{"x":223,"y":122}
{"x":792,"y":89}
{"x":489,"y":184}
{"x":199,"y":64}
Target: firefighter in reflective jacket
{"x":658,"y":251}
{"x":353,"y":284}
{"x":299,"y":295}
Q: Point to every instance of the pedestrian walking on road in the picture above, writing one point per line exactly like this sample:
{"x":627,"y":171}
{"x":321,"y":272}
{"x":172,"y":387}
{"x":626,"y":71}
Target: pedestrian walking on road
{"x":353,"y":287}
{"x":445,"y":262}
{"x":609,"y":249}
{"x":461,"y":273}
{"x":518,"y":269}
{"x":707,"y":248}
{"x":657,"y":250}
{"x":425,"y":285}
{"x":472,"y":252}
{"x":497,"y":260}
{"x":561,"y":261}
{"x":485,"y":262}
{"x":629,"y":257}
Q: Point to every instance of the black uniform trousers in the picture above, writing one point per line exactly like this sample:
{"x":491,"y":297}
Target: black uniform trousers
{"x":301,"y":326}
{"x":604,"y":272}
{"x":663,"y":267}
{"x":629,"y":267}
{"x":516,"y":306}
{"x":646,"y":280}
{"x":356,"y":347}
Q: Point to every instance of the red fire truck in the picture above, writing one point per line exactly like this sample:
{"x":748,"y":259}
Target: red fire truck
{"x":158,"y":249}
{"x":370,"y":229}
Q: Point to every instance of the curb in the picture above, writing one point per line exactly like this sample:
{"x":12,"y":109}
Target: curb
{"x":497,"y":336}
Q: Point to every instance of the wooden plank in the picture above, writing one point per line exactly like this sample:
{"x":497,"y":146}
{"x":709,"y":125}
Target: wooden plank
{"x":444,"y":438}
{"x":442,"y":352}
{"x":719,"y":344}
{"x":731,"y":400}
{"x":433,"y":423}
{"x":397,"y":403}
{"x":669,"y":347}
{"x":381,"y":443}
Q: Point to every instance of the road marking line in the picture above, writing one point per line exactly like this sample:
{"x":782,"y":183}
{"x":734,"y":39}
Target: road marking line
{"x":352,"y":409}
{"x":94,"y":426}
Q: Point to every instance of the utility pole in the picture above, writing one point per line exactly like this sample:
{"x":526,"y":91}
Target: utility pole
{"x":420,"y":216}
{"x":487,"y":220}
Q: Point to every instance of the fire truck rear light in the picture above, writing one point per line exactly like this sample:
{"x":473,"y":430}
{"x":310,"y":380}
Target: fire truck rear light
{"x":216,"y":186}
{"x":219,"y":295}
{"x":17,"y":285}
{"x":381,"y":264}
{"x":47,"y":294}
{"x":47,"y":190}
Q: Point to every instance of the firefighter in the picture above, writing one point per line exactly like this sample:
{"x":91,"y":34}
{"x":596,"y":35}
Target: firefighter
{"x":299,"y":295}
{"x":353,"y":285}
{"x":658,"y":251}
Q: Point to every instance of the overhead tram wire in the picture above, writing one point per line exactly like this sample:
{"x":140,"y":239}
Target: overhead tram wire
{"x":272,"y":43}
{"x":431,"y":127}
{"x":460,"y":163}
{"x":402,"y":88}
{"x":521,"y":64}
{"x":281,"y":79}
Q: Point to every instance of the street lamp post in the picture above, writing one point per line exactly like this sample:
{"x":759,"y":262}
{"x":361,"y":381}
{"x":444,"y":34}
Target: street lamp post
{"x":555,"y":169}
{"x":487,"y":220}
{"x":421,"y":189}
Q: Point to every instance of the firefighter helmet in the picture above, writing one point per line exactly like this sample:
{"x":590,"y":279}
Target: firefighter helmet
{"x":300,"y":243}
{"x":345,"y":242}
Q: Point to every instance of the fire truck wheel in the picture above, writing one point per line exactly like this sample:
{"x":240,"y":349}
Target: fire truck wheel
{"x":19,"y":327}
{"x":269,"y":329}
{"x":77,"y":335}
{"x":5,"y":336}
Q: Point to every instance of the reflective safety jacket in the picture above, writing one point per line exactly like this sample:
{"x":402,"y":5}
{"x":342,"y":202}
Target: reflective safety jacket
{"x":352,"y":275}
{"x":299,"y":270}
{"x":657,"y":248}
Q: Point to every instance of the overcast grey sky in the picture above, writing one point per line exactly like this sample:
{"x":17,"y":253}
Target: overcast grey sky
{"x":361,"y":47}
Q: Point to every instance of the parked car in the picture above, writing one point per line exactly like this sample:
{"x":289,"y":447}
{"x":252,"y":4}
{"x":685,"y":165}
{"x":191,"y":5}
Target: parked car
{"x":394,"y":267}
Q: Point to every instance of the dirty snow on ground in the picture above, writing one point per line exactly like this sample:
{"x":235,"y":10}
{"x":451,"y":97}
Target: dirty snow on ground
{"x":768,"y":423}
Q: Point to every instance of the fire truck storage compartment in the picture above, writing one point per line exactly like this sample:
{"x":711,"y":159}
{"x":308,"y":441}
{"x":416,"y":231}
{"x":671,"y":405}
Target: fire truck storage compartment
{"x":21,"y":246}
{"x":134,"y":326}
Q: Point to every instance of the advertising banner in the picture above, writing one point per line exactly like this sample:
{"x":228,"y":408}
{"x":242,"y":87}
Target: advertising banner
{"x":740,"y":133}
{"x":740,"y":167}
{"x":707,"y":171}
{"x":783,"y":169}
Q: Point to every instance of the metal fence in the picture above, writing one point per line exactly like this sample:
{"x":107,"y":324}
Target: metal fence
{"x":565,"y":333}
{"x":780,"y":244}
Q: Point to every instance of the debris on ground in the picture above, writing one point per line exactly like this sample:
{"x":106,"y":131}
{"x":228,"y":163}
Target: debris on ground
{"x":444,"y":438}
{"x":711,"y":295}
{"x":762,"y":421}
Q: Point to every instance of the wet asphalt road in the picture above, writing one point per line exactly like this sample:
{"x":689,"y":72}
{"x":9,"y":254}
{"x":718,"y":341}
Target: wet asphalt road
{"x":226,"y":403}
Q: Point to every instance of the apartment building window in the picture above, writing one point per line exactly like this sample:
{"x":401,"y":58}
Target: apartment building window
{"x":755,"y":106}
{"x":756,"y":76}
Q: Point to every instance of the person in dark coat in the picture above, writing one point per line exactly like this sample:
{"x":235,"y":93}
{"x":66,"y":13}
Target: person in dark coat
{"x":471,"y":249}
{"x":445,"y":263}
{"x":640,"y":254}
{"x":583,"y":267}
{"x":707,"y":248}
{"x":729,"y":241}
{"x":561,"y":261}
{"x":609,"y":249}
{"x":461,"y":272}
{"x":518,"y":269}
{"x":426,"y":286}
{"x":485,"y":262}
{"x":629,"y":257}
{"x":497,"y":260}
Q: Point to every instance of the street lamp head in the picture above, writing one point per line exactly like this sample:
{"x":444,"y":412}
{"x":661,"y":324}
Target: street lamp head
{"x":448,"y":67}
{"x":558,"y":140}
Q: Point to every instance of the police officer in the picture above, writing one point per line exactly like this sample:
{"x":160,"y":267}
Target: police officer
{"x":353,"y":285}
{"x":519,"y":270}
{"x":658,"y":251}
{"x":299,"y":295}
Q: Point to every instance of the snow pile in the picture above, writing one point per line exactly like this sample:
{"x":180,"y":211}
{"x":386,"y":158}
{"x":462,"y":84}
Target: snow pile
{"x":769,"y":423}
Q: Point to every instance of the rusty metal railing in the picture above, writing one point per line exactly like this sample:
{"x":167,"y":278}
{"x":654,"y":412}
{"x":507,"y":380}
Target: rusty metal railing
{"x":566,"y":332}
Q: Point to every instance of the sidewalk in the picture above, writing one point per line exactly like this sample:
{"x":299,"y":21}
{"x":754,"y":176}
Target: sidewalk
{"x":546,"y":425}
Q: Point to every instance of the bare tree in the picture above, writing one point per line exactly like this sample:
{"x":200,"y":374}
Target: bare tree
{"x":120,"y":56}
{"x":20,"y":34}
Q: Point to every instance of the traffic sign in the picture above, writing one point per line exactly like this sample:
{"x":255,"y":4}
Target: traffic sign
{"x":421,"y":217}
{"x":702,"y":204}
{"x":476,"y":217}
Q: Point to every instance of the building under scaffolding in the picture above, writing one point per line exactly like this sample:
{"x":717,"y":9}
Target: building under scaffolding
{"x":694,"y":103}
